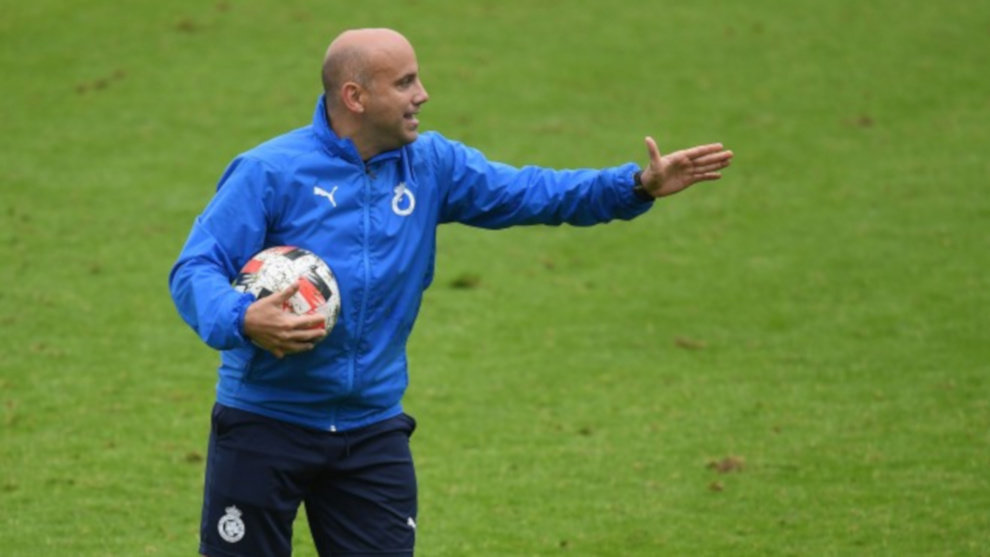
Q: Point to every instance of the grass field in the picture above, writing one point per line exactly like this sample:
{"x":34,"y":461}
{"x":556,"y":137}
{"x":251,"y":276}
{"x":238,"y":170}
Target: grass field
{"x":793,"y":361}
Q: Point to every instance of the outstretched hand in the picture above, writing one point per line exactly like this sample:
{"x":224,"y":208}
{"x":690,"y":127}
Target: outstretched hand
{"x":671,"y":173}
{"x":280,"y":332}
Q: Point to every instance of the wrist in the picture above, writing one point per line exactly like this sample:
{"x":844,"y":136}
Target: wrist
{"x":639,"y":189}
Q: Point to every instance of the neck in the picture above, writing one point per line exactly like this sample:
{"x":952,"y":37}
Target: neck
{"x":345,"y":127}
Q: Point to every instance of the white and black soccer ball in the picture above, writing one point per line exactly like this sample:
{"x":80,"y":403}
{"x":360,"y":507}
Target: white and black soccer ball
{"x":275,"y":269}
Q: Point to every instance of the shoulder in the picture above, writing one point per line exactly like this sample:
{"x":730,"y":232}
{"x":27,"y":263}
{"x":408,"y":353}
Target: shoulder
{"x":429,"y":144}
{"x":284,"y":148}
{"x":269,"y":161}
{"x":278,"y":158}
{"x":438,"y":149}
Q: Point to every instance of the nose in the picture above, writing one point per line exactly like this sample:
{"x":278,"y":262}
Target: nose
{"x":422,"y":96}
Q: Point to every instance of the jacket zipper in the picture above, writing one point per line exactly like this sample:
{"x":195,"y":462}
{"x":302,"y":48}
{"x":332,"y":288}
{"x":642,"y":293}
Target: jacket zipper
{"x":366,"y":260}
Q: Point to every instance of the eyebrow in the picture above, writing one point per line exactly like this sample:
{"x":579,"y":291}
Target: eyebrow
{"x":406,"y":77}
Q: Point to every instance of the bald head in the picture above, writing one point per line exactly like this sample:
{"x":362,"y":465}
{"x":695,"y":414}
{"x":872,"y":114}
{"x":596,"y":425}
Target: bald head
{"x":373,"y":90}
{"x":354,"y":56}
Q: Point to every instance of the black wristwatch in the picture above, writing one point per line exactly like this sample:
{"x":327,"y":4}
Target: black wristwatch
{"x":641,"y":192}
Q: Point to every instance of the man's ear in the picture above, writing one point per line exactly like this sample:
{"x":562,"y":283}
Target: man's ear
{"x":353,"y":96}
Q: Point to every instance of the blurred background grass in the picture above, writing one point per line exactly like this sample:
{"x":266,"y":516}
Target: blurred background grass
{"x":789,"y":362}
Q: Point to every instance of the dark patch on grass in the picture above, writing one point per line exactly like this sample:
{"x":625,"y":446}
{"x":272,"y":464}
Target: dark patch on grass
{"x":100,"y":83}
{"x":689,"y":343}
{"x":865,"y":121}
{"x":11,"y":416}
{"x":187,"y":25}
{"x":728,"y":464}
{"x":466,"y":281}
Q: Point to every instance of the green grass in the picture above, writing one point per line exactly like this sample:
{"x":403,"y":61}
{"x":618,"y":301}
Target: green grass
{"x":819,"y":317}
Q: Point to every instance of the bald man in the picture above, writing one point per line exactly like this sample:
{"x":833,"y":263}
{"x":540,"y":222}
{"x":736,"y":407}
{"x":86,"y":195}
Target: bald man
{"x":303,"y":418}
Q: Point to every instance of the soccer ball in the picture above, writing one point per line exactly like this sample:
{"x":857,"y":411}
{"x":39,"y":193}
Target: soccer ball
{"x":276,"y":268}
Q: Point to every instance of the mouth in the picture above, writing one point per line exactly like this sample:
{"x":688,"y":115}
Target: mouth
{"x":410,"y":117}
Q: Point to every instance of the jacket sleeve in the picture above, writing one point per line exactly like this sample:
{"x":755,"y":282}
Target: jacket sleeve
{"x":230,"y":230}
{"x":495,"y":195}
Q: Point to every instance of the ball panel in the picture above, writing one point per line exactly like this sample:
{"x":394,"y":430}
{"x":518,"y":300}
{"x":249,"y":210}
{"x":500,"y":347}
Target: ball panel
{"x":275,"y":269}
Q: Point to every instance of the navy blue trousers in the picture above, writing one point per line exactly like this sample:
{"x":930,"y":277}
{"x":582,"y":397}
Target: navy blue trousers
{"x":358,"y":487}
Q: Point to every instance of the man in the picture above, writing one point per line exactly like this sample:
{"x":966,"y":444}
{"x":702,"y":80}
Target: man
{"x":305,"y":419}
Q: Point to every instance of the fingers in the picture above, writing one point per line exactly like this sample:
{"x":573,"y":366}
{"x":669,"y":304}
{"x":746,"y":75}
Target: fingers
{"x":704,"y":158}
{"x":711,"y":158}
{"x":291,"y":347}
{"x":312,"y":321}
{"x":653,"y":150}
{"x":303,"y":328}
{"x":283,"y":296}
{"x":712,"y":167}
{"x":708,"y":161}
{"x":270,"y":325}
{"x":707,"y":176}
{"x":299,"y":334}
{"x":668,"y":174}
{"x":703,"y":150}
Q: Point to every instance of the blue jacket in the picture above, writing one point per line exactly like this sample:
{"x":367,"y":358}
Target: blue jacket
{"x":375,"y":224}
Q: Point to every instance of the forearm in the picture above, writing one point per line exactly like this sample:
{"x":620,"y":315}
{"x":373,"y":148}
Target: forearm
{"x":498,"y":196}
{"x":200,"y":287}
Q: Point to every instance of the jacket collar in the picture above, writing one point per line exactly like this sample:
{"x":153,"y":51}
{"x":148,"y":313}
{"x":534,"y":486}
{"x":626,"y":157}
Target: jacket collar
{"x":341,"y":147}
